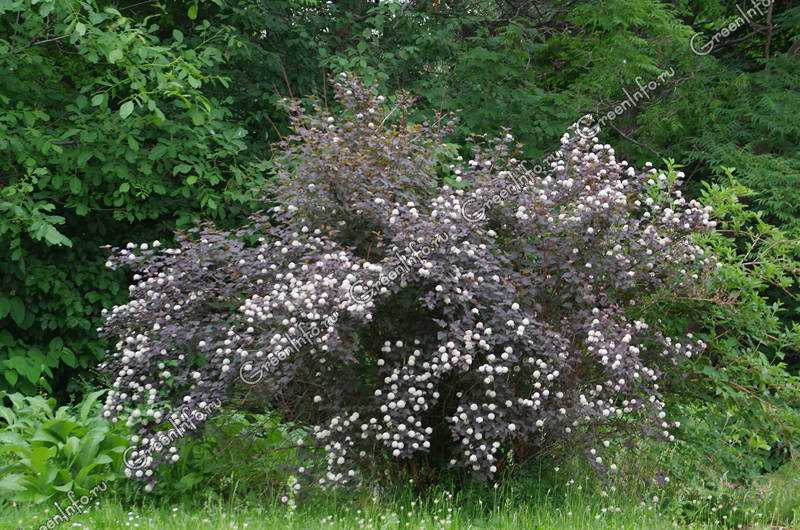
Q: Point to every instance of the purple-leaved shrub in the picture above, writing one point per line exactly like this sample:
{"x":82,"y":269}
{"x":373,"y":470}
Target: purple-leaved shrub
{"x":406,"y":305}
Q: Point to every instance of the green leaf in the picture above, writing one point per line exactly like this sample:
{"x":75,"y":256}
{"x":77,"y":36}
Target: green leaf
{"x":70,"y":449}
{"x":197,"y":118}
{"x":84,"y":157}
{"x":25,"y":366}
{"x":42,"y":435}
{"x":115,"y":55}
{"x":80,"y":29}
{"x":69,"y":358}
{"x":97,"y":99}
{"x":65,"y":488}
{"x":192,"y":11}
{"x":88,"y":402}
{"x":54,"y":237}
{"x":17,"y":310}
{"x":5,"y":307}
{"x":12,"y":483}
{"x":11,"y":376}
{"x":102,"y":459}
{"x":188,"y":481}
{"x":60,"y":429}
{"x":75,"y":186}
{"x":126,"y":109}
{"x":10,"y":438}
{"x":39,"y":457}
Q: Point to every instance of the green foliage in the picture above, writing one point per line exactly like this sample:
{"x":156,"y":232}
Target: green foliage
{"x":122,"y":120}
{"x":111,"y":128}
{"x":724,"y":117}
{"x":212,"y":464}
{"x":46,"y":452}
{"x":739,"y":405}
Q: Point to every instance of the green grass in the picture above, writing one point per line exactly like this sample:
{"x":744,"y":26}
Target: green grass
{"x":440,"y":512}
{"x":534,"y":503}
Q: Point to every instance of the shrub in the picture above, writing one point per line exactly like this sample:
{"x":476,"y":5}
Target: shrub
{"x":740,"y":404}
{"x":210,"y":467}
{"x":413,"y":307}
{"x":109,"y":127}
{"x":46,"y":451}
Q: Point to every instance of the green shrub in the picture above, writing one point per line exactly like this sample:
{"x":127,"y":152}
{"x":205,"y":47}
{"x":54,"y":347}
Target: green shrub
{"x":109,"y":128}
{"x":239,"y":454}
{"x":739,"y":405}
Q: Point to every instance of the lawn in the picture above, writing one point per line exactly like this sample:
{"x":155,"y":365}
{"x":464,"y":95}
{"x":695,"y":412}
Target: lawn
{"x":542,"y":504}
{"x":580,"y":513}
